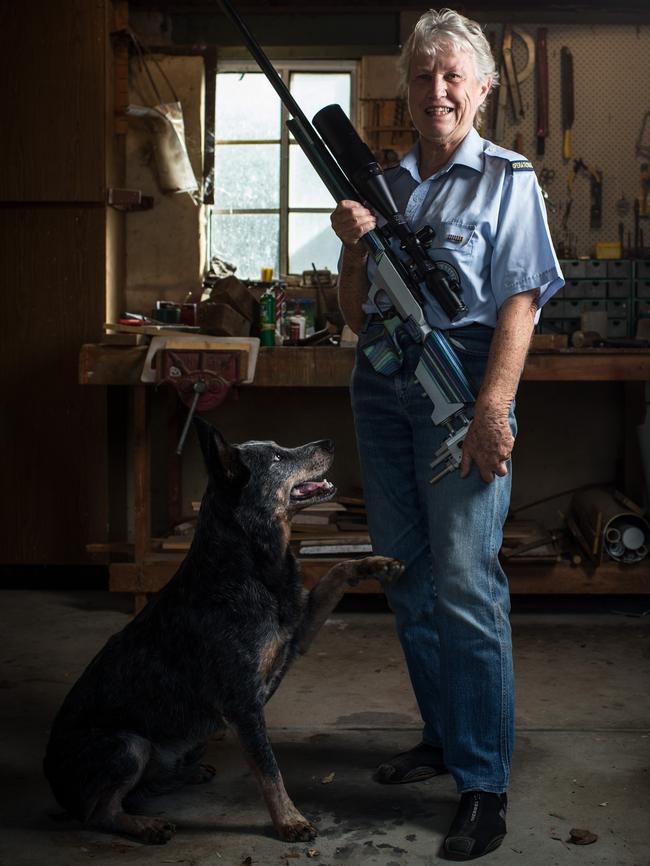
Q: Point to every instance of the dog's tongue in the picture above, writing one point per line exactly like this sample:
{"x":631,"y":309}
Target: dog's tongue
{"x":308,"y":488}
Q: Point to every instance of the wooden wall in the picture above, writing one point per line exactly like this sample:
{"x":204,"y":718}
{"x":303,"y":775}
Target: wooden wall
{"x":54,"y":61}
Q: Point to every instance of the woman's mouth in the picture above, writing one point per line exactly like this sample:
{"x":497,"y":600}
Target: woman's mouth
{"x":438,"y":110}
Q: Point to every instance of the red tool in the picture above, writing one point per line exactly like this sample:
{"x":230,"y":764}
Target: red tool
{"x":202,"y":378}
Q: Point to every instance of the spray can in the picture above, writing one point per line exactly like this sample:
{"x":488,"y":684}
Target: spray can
{"x":280,"y":308}
{"x":267,"y":318}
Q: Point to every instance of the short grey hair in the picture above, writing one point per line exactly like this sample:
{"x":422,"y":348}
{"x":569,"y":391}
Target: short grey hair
{"x":444,"y":29}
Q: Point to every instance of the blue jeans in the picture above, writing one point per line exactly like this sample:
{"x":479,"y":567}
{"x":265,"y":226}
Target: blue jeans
{"x":451,"y":605}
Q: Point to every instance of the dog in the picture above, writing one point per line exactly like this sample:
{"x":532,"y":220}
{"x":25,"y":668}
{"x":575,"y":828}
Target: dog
{"x":207,"y":651}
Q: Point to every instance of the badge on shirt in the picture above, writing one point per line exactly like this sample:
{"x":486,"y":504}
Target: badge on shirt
{"x":521,"y":165}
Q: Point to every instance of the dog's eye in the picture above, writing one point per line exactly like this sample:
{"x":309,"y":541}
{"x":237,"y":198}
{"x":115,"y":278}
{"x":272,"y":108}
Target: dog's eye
{"x":276,"y":456}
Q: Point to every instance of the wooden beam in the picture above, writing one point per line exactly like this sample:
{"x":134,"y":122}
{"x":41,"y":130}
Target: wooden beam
{"x":559,"y":578}
{"x":327,"y":367}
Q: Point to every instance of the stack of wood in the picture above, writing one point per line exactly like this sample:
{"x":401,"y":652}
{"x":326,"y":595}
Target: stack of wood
{"x":340,"y":527}
{"x":529,"y":541}
{"x":332,"y":528}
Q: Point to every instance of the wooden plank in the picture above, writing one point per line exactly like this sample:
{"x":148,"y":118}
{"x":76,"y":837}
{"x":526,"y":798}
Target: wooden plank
{"x":562,"y":578}
{"x":304,"y":366}
{"x":559,"y":578}
{"x":111,"y":365}
{"x":324,"y":367}
{"x":141,"y":473}
{"x":54,"y":479}
{"x":53,"y":96}
{"x":588,"y":365}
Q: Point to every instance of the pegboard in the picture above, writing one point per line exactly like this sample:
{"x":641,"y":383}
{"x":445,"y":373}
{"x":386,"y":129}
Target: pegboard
{"x":611,"y":96}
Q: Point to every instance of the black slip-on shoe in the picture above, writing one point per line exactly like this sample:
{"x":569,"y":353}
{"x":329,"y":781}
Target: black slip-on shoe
{"x":419,"y":763}
{"x":479,"y":826}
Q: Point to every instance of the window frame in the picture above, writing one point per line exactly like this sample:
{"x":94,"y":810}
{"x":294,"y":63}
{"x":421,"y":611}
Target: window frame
{"x":285,"y":68}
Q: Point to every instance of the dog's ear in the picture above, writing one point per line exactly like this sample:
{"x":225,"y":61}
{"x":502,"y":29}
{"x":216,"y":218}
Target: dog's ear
{"x":221,"y":459}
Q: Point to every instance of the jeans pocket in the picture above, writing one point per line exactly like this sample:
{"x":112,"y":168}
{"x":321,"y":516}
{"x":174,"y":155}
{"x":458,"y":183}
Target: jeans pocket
{"x":471,"y":344}
{"x":381,"y":350}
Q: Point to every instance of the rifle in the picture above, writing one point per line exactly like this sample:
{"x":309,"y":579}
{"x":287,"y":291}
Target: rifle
{"x":349,"y":171}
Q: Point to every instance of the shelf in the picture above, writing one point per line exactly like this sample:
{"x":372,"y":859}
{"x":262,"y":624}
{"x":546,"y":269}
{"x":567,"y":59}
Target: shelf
{"x":559,"y":578}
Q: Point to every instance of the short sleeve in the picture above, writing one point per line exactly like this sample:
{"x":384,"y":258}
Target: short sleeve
{"x":523,"y":257}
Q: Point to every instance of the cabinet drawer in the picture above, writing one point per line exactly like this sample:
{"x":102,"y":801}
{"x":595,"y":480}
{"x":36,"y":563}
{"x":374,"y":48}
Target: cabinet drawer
{"x":616,"y":327}
{"x":572,"y":268}
{"x":617,"y":309}
{"x":596,"y":268}
{"x":619,"y":269}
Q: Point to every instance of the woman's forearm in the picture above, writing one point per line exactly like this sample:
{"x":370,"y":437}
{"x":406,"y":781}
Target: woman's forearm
{"x":508,"y":353}
{"x":489,"y":440}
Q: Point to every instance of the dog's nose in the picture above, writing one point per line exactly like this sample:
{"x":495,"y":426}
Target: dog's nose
{"x":325,"y":445}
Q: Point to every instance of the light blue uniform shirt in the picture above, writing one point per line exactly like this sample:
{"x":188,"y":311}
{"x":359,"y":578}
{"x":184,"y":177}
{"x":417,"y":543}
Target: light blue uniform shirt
{"x":491,"y":231}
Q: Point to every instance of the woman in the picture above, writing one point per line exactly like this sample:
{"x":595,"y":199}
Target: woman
{"x":452,"y":605}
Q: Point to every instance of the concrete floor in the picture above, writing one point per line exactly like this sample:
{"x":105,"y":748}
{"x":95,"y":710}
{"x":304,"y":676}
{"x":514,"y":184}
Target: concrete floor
{"x":582,"y":755}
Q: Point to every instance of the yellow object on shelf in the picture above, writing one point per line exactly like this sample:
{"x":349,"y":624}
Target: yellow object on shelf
{"x":605,"y":250}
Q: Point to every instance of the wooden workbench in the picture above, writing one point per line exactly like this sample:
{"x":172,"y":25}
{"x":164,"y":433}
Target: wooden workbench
{"x":329,"y":367}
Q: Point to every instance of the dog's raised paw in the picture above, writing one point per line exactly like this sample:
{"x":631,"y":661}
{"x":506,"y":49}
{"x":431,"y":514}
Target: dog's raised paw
{"x":297,"y":831}
{"x":383,"y":568}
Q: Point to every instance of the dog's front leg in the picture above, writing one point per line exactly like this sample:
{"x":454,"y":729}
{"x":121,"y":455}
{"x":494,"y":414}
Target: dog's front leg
{"x":331,"y":587}
{"x":287,"y":820}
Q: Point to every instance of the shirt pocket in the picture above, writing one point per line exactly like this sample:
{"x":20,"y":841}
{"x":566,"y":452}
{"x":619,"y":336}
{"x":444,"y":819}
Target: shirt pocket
{"x":454,"y":236}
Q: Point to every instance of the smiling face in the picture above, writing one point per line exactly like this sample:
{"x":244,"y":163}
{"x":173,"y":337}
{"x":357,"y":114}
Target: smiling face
{"x":444,"y":96}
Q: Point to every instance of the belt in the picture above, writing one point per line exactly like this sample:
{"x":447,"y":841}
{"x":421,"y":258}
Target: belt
{"x":376,"y":318}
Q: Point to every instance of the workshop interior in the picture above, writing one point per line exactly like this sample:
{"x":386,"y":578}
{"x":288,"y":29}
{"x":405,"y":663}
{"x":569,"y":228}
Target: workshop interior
{"x":168,"y":255}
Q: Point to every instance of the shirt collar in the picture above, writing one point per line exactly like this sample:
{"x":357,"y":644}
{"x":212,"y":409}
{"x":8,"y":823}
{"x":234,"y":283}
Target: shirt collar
{"x":469,"y":153}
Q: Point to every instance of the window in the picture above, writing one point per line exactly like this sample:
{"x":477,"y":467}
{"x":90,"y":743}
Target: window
{"x":270,"y":207}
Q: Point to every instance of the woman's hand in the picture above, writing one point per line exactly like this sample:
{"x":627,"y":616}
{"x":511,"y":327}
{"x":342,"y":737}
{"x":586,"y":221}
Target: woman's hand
{"x":488,"y":444}
{"x":351,"y":221}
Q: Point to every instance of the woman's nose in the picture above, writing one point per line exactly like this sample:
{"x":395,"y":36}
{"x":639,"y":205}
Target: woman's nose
{"x":438,"y":85}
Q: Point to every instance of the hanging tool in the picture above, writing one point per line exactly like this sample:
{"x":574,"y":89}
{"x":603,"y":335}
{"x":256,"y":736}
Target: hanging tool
{"x":596,"y":193}
{"x":541,"y":86}
{"x":492,"y":106}
{"x":502,"y":96}
{"x":511,"y":75}
{"x":643,"y":141}
{"x":546,"y":177}
{"x":568,"y":112}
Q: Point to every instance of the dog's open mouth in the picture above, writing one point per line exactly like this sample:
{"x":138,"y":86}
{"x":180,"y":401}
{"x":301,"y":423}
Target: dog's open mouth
{"x":312,"y":491}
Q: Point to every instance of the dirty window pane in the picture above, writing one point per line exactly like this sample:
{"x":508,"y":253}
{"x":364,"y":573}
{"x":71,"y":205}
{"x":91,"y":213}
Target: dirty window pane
{"x":306,"y":189}
{"x":250,"y":241}
{"x":247,"y":176}
{"x":314,"y":90}
{"x":311,"y":239}
{"x":247,"y":107}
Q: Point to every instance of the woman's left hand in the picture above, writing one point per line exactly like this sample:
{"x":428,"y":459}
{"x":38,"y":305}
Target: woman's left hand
{"x":488,"y":444}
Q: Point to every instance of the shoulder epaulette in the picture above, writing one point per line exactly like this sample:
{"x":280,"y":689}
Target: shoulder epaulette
{"x":517,"y":161}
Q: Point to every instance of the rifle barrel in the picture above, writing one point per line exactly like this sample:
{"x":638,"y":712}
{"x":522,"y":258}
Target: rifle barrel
{"x":265,"y":64}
